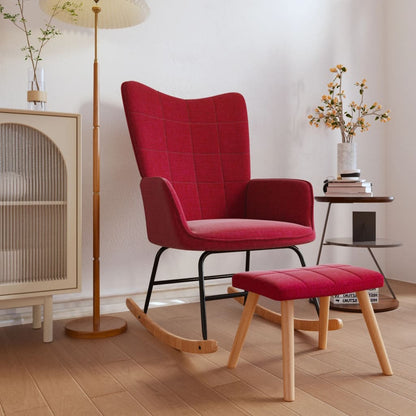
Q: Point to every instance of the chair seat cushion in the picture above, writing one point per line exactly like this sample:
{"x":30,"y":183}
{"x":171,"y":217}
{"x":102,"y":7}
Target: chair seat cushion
{"x":308,"y":282}
{"x":242,"y":234}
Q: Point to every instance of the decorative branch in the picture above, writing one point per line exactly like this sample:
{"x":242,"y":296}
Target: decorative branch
{"x":49,"y":31}
{"x":332,"y":113}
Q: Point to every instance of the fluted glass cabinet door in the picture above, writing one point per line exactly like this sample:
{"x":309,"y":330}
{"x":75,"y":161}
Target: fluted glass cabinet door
{"x":39,"y":203}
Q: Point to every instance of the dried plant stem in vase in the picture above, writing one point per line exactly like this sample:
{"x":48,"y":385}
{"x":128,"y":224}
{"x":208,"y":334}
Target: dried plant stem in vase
{"x":36,"y":95}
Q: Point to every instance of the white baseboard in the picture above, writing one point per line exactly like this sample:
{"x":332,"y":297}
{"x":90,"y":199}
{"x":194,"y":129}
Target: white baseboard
{"x":68,"y":309}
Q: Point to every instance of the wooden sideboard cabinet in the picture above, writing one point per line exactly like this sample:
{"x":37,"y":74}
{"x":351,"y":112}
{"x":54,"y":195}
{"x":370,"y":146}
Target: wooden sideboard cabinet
{"x":40,"y":210}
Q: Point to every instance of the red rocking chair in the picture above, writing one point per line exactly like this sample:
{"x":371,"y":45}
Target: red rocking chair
{"x":194,"y":159}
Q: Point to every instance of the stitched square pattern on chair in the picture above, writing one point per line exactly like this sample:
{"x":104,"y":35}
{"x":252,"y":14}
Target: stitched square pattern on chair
{"x":204,"y":141}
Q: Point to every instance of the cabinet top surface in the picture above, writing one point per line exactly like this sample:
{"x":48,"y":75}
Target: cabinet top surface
{"x":352,"y":199}
{"x":39,"y":113}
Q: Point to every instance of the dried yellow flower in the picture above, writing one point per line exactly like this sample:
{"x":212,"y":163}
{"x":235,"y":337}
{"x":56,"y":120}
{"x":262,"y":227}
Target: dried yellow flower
{"x":332,"y":112}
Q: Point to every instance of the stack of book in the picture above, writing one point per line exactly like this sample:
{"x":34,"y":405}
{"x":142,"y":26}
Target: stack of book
{"x":349,"y":187}
{"x":351,"y":298}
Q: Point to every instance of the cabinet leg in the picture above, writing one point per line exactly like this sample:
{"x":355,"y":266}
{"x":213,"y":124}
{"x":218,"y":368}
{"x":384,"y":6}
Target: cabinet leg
{"x":48,"y":319}
{"x":36,"y":316}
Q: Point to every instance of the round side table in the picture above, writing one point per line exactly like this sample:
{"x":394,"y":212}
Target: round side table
{"x":385,"y":303}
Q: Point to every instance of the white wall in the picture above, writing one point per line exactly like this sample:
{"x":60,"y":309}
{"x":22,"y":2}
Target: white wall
{"x":277,"y":53}
{"x":401,"y":144}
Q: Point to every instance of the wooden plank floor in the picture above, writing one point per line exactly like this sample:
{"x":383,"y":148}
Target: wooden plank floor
{"x":133,"y":374}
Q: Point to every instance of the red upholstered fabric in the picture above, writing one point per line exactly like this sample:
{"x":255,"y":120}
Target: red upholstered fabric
{"x":194,"y":158}
{"x":308,"y":282}
{"x":167,"y":225}
{"x":201,"y":146}
{"x":242,"y":234}
{"x":289,"y":200}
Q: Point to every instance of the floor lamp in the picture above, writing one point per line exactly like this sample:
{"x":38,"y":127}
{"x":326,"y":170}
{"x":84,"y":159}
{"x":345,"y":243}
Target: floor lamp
{"x":107,"y":14}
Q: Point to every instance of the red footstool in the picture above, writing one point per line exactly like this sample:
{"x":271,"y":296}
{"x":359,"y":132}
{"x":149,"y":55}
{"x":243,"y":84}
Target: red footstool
{"x":308,"y":282}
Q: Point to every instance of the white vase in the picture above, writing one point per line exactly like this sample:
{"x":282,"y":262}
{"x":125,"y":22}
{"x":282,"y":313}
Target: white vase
{"x":36,"y":93}
{"x":346,"y":158}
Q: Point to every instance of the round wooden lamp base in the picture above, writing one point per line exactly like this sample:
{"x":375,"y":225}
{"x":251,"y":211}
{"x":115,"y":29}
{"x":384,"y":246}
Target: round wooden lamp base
{"x":110,"y":326}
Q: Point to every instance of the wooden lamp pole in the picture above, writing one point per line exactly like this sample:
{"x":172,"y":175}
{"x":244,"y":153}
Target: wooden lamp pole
{"x":98,"y":326}
{"x":112,"y":14}
{"x":96,"y":182}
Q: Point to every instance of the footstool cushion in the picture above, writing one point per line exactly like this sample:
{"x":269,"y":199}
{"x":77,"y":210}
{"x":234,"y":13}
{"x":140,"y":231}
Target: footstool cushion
{"x":308,"y":282}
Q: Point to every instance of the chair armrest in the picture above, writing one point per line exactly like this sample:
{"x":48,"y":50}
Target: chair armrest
{"x":165,"y":219}
{"x":289,"y":200}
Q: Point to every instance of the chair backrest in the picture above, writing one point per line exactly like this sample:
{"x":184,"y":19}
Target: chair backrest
{"x":200,"y":145}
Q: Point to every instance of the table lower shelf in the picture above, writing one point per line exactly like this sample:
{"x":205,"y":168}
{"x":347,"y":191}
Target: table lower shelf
{"x":384,"y":304}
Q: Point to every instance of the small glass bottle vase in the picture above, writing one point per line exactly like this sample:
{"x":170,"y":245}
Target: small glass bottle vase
{"x":346,"y":158}
{"x":36,"y":94}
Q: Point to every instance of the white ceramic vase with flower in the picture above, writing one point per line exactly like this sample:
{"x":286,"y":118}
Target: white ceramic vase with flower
{"x":348,"y":119}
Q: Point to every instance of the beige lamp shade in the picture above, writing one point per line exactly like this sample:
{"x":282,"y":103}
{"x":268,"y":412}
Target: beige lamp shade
{"x":114,"y":13}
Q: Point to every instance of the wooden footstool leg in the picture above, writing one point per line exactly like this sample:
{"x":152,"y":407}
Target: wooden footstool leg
{"x":288,"y":350}
{"x":323,"y":322}
{"x":374,"y":331}
{"x":240,"y":336}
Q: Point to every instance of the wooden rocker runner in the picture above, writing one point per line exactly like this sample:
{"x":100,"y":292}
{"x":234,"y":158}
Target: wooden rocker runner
{"x":166,"y":337}
{"x":300,"y":324}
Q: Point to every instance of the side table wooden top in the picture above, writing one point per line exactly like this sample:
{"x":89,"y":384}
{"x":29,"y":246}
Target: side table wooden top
{"x":353,"y":198}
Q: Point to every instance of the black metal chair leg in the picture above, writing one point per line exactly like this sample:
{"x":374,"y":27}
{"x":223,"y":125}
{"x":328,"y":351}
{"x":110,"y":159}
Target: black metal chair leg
{"x":247,"y":268}
{"x":152,"y":277}
{"x":201,"y":260}
{"x":315,"y":302}
{"x":298,"y":252}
